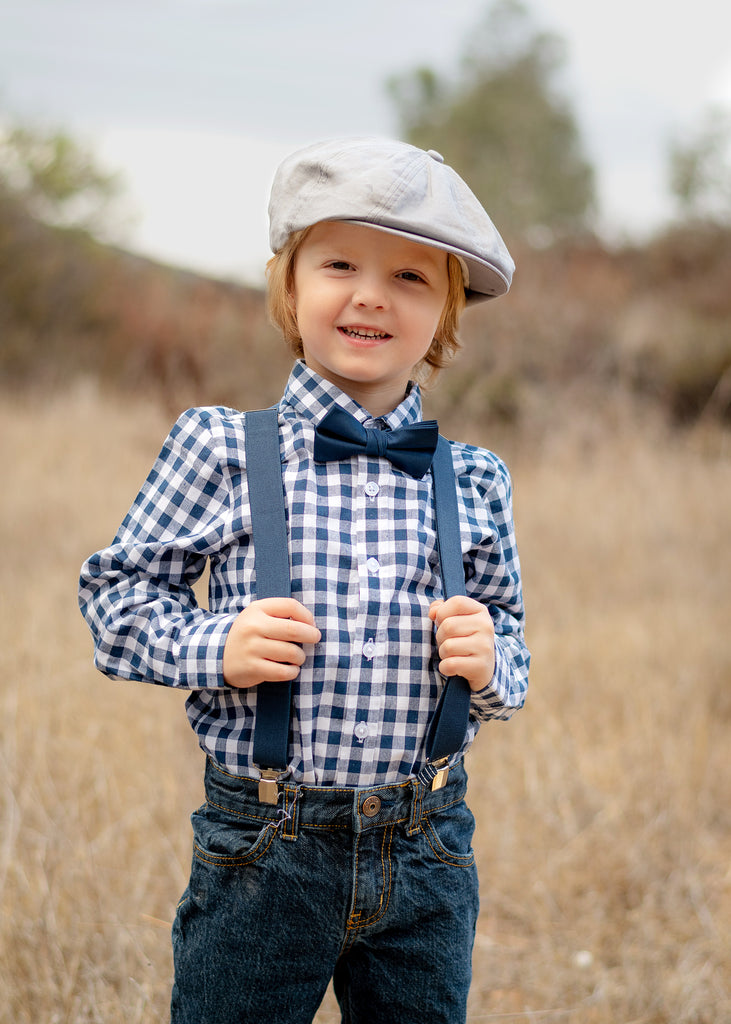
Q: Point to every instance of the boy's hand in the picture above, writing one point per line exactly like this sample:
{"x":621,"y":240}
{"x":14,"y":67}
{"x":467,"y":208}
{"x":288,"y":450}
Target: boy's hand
{"x":465,"y":640}
{"x":264,"y":642}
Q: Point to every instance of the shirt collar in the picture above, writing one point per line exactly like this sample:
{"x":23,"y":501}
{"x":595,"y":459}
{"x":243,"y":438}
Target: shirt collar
{"x":310,"y":396}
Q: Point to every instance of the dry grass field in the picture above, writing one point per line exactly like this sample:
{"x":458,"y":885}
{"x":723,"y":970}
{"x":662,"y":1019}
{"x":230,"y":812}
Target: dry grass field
{"x":603,"y":809}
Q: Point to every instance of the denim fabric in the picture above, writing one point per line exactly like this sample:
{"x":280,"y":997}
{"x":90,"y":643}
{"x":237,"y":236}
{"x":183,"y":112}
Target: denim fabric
{"x":282,"y":899}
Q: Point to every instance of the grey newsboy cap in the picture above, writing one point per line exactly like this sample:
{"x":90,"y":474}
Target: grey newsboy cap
{"x":397,"y":188}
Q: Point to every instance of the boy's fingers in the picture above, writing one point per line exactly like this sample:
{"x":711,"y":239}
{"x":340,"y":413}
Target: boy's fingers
{"x":289,"y":620}
{"x":466,"y":647}
{"x":291,"y":631}
{"x":286,"y":608}
{"x":459,"y":605}
{"x":285,"y":653}
{"x":272,"y":670}
{"x":458,"y":617}
{"x":457,"y":626}
{"x":266,"y":640}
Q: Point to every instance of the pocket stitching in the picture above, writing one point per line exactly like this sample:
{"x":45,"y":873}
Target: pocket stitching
{"x":237,"y":860}
{"x":440,"y":851}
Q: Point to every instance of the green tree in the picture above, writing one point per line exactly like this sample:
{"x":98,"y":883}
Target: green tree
{"x":56,"y":179}
{"x":504,"y":124}
{"x":700,"y":169}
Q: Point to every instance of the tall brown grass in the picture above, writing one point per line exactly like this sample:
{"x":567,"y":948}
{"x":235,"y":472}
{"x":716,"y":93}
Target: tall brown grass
{"x":603,"y":808}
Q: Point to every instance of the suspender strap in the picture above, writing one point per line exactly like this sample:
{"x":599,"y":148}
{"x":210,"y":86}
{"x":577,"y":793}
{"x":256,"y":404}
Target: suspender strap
{"x":271,"y":554}
{"x":271,"y":560}
{"x":449,"y":724}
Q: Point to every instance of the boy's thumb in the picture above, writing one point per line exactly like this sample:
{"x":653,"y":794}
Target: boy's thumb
{"x":434,"y":608}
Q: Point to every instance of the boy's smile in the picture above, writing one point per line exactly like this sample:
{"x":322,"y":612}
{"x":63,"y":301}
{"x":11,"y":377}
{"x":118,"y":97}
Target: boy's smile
{"x":368,"y":305}
{"x":363,"y":334}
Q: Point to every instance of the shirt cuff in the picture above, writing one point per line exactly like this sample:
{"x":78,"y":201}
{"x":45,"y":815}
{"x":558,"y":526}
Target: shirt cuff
{"x":498,"y":698}
{"x":200,"y":659}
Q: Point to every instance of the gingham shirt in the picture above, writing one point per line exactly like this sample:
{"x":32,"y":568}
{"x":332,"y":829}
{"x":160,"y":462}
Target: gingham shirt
{"x":363,"y":560}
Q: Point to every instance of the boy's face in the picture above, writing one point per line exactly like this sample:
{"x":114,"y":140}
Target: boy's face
{"x":368,"y":305}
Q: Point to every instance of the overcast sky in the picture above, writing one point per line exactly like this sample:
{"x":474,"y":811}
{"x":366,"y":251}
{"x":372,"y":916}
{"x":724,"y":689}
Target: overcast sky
{"x":197,"y":100}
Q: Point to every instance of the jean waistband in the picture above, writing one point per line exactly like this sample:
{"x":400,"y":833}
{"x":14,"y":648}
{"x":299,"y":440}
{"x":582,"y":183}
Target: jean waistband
{"x":301,"y":806}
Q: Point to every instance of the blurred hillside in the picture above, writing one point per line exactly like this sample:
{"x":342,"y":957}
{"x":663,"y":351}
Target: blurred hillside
{"x":650,"y":325}
{"x":586,"y":332}
{"x":582,"y":326}
{"x":73,"y":309}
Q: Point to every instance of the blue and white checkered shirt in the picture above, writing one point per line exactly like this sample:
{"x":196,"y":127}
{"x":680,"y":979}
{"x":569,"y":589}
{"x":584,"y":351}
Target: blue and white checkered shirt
{"x":363,"y":560}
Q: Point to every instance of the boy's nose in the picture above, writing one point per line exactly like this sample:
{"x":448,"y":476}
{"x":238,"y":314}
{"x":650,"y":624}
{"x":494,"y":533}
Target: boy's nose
{"x":370,"y":295}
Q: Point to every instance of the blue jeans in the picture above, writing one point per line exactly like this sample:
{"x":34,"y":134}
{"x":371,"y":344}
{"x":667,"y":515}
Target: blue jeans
{"x":374,"y":888}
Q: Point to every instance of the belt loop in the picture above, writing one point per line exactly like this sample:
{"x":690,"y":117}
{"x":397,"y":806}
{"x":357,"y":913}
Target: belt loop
{"x":414,"y":825}
{"x":290,"y":811}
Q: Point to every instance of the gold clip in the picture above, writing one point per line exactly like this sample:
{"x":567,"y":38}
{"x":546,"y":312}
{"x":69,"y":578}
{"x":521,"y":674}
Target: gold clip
{"x":440,"y":778}
{"x":268,"y":790}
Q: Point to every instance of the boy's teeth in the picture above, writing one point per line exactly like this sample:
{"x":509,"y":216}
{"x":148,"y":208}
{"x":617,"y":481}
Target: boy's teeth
{"x":364,"y":334}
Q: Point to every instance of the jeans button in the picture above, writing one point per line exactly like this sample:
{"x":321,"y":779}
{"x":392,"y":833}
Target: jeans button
{"x":371,"y":806}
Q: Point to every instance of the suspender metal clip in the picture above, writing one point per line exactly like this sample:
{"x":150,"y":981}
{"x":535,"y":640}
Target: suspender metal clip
{"x":268,"y":789}
{"x":442,"y":772}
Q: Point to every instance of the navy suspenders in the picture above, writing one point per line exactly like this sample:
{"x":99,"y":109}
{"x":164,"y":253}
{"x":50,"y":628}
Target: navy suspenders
{"x":271,"y":563}
{"x":449,"y":724}
{"x":271,"y":560}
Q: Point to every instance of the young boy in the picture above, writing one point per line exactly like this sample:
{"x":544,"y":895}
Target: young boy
{"x":353,"y":860}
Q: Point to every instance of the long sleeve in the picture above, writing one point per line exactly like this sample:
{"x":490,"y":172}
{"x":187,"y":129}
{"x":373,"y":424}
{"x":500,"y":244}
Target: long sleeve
{"x":136,"y":595}
{"x":493,"y":576}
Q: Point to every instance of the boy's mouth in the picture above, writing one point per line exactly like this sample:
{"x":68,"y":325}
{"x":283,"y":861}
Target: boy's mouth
{"x":364,"y":334}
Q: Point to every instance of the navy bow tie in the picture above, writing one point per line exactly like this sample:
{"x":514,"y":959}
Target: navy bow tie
{"x":411,"y":449}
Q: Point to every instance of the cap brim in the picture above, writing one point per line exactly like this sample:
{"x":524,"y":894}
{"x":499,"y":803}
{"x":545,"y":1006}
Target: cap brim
{"x":486,"y":280}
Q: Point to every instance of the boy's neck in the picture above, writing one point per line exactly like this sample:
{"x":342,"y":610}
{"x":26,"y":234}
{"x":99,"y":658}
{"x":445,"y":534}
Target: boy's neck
{"x":377,"y":398}
{"x":377,"y":402}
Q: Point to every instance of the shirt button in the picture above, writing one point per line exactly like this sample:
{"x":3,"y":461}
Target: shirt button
{"x":373,"y":566}
{"x":361,"y":730}
{"x":369,"y":649}
{"x":372,"y":488}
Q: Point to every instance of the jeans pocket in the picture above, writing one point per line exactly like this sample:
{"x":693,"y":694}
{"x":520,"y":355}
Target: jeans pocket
{"x":449,"y":832}
{"x":227,"y":841}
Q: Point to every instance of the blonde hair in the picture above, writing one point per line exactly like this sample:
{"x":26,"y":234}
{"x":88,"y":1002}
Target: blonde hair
{"x":283,"y":314}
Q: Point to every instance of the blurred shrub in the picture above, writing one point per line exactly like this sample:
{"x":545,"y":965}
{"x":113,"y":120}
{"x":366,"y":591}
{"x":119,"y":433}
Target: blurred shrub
{"x":674,"y":340}
{"x":71,"y":307}
{"x":57,"y":179}
{"x":581,"y":324}
{"x":505,"y":121}
{"x":700,"y":168}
